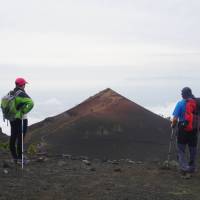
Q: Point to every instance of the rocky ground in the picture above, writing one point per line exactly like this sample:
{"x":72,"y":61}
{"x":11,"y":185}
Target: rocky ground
{"x":78,"y":178}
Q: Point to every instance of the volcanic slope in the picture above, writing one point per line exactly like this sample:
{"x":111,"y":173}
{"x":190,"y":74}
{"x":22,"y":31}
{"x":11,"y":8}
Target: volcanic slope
{"x":107,"y":125}
{"x":3,"y":137}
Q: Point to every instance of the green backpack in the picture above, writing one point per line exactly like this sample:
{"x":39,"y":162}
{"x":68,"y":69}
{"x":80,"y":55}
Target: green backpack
{"x":8,"y":106}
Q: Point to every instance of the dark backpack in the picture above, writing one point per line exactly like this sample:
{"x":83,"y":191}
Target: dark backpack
{"x":192,"y":115}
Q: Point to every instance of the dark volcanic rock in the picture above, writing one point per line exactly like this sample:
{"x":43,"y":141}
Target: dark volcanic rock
{"x":106,"y":125}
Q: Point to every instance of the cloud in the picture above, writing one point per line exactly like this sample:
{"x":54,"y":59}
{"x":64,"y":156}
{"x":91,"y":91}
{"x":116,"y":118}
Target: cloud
{"x":69,"y":50}
{"x":139,"y":33}
{"x":51,"y":102}
{"x":165,"y":110}
{"x":64,"y":49}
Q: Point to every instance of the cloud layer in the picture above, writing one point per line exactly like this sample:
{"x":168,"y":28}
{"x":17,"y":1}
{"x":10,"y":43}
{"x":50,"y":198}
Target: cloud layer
{"x":70,"y":50}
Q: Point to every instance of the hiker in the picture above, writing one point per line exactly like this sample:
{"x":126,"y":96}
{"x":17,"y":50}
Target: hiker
{"x":19,"y":124}
{"x":187,"y":134}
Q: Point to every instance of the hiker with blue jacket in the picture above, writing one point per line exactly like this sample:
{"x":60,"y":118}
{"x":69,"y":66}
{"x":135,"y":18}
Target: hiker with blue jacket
{"x":18,"y":121}
{"x":183,"y":116}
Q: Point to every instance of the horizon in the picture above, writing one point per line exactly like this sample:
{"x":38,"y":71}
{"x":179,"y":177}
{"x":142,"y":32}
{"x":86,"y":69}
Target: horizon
{"x":6,"y":127}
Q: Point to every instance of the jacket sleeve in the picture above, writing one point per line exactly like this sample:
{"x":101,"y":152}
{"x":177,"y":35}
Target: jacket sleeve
{"x":24,"y":104}
{"x":27,"y":105}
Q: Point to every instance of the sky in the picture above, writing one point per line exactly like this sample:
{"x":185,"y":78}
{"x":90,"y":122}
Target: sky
{"x":70,"y":50}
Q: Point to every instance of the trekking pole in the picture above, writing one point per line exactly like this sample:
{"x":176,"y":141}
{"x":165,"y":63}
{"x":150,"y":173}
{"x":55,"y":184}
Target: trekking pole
{"x":22,"y":144}
{"x":170,"y":147}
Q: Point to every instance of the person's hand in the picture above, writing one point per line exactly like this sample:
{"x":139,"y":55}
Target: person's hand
{"x":173,"y":125}
{"x":174,"y":122}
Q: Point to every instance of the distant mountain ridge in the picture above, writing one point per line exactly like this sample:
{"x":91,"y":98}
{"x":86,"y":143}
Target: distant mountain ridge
{"x":105,"y":125}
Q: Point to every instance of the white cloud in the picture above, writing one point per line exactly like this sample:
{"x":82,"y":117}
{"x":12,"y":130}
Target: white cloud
{"x":165,"y":110}
{"x":139,"y":32}
{"x":64,"y":49}
{"x":76,"y":48}
{"x":51,"y":102}
{"x":5,"y":127}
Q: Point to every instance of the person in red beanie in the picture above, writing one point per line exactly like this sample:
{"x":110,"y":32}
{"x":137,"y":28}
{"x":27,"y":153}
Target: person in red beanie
{"x":20,"y":123}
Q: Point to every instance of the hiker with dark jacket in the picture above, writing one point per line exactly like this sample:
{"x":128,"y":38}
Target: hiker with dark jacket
{"x":20,"y":123}
{"x":187,"y":134}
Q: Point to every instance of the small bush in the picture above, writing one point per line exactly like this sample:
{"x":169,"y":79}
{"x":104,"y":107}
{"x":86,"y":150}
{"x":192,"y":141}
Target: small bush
{"x":32,"y":149}
{"x":4,"y":146}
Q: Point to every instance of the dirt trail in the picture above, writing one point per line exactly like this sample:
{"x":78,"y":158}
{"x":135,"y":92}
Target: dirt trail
{"x":73,"y":179}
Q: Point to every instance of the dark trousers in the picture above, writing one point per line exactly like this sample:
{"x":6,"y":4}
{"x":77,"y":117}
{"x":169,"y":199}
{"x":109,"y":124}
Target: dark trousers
{"x":16,"y":137}
{"x":190,"y":140}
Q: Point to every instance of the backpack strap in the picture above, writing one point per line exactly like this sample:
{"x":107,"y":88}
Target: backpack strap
{"x":17,"y":93}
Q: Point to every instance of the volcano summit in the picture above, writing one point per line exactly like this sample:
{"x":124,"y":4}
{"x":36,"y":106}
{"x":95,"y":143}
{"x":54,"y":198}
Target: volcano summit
{"x":106,"y":125}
